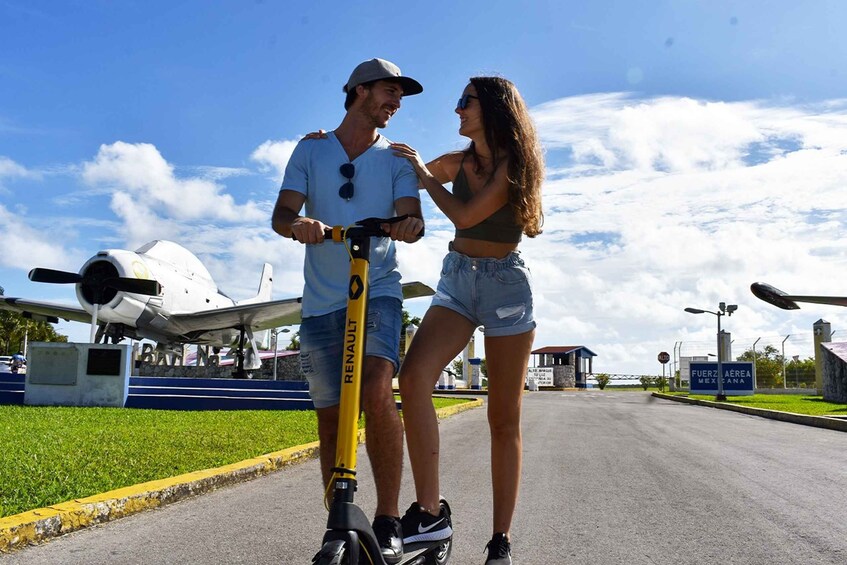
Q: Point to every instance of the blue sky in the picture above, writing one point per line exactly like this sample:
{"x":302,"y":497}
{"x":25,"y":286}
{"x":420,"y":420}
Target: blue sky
{"x":692,"y":147}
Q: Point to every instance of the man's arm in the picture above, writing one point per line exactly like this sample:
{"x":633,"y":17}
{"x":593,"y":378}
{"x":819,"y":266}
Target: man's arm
{"x":287,"y":221}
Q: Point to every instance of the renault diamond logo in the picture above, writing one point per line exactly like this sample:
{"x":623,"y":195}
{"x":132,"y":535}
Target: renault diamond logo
{"x":356,"y":287}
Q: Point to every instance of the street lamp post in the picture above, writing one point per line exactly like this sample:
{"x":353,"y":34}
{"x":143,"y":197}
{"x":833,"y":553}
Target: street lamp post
{"x":723,"y":309}
{"x":784,"y":383}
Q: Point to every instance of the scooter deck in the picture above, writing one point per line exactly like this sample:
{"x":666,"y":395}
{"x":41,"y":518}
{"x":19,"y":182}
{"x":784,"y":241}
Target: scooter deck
{"x":416,"y":553}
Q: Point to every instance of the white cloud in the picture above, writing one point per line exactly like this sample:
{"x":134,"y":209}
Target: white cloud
{"x":9,"y":169}
{"x":24,"y":247}
{"x":140,"y":222}
{"x":140,"y":171}
{"x":274,"y":155}
{"x":219,"y":173}
{"x":619,"y":131}
{"x":658,"y":204}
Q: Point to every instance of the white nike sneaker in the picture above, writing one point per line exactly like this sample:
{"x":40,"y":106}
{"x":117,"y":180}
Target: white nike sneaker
{"x":419,"y":525}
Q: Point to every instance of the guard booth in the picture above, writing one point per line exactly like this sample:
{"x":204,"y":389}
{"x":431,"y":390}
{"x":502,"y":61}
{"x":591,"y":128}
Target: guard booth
{"x":572,"y":364}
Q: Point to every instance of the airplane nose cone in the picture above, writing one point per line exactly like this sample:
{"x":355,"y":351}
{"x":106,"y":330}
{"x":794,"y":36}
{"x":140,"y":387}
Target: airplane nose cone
{"x":93,"y":287}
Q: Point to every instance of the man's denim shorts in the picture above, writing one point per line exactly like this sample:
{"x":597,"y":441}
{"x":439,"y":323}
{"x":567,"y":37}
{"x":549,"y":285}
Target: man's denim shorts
{"x":493,"y":293}
{"x":322,"y":346}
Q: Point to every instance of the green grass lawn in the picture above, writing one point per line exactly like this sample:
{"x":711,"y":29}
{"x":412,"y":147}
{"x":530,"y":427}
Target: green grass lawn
{"x":54,"y":454}
{"x":797,"y":403}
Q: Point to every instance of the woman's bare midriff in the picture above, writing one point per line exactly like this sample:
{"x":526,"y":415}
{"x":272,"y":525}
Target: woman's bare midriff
{"x":480,"y":248}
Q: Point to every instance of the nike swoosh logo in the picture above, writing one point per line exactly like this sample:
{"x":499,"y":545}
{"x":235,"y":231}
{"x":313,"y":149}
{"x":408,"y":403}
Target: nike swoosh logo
{"x":422,"y":530}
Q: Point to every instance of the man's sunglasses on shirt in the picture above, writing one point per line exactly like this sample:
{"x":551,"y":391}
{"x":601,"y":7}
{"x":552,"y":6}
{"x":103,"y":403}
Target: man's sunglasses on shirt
{"x":347,"y":170}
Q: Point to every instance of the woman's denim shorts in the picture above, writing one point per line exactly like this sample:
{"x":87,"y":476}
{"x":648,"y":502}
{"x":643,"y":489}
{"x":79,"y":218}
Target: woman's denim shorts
{"x":493,"y":293}
{"x":322,"y":346}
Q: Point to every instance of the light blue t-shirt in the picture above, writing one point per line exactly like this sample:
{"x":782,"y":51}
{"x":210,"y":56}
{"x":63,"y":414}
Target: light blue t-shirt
{"x":379,"y":180}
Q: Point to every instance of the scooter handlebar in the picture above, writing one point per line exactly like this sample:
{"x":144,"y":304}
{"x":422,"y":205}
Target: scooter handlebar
{"x":369,"y":227}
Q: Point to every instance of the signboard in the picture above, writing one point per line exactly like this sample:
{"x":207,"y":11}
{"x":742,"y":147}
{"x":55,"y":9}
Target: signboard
{"x":685,"y":364}
{"x":543,"y":376}
{"x":664,"y":357}
{"x":737,"y":378}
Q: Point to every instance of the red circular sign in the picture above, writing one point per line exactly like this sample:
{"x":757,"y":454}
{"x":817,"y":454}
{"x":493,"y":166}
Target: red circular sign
{"x":664,"y":357}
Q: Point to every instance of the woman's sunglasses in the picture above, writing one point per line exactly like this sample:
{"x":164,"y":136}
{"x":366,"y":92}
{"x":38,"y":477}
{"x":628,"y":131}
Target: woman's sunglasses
{"x":463,"y":101}
{"x":347,"y":170}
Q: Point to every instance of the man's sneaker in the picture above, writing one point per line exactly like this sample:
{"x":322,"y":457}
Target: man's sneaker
{"x":499,"y":551}
{"x":420,"y":526}
{"x":389,"y":536}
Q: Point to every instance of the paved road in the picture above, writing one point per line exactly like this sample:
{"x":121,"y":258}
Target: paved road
{"x":608,"y":478}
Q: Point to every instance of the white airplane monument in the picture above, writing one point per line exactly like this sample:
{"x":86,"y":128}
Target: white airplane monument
{"x":164,"y":293}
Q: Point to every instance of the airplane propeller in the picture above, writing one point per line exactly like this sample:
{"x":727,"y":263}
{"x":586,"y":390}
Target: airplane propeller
{"x":52,"y":276}
{"x":123,"y":284}
{"x":95,"y":282}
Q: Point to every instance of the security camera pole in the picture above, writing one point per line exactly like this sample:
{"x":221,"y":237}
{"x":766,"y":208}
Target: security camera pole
{"x":722,"y":309}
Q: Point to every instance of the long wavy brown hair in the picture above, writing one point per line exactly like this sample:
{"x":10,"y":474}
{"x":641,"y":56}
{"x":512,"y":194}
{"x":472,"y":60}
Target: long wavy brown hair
{"x":510,"y":134}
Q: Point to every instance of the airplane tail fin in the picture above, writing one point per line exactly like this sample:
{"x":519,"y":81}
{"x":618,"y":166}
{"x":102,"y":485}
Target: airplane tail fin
{"x":265,"y":285}
{"x":263,"y":338}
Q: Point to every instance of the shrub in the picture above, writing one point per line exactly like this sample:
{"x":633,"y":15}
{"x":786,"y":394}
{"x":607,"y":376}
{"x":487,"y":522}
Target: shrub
{"x":602,"y":380}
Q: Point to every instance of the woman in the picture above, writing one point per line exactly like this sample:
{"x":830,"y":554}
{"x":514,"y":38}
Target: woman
{"x":496,"y":198}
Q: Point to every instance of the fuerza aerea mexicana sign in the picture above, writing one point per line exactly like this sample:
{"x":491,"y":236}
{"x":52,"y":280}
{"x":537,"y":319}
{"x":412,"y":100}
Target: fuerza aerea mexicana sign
{"x":737,"y":378}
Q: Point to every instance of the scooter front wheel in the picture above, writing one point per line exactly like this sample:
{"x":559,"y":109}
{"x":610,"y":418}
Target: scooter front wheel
{"x":334,"y":552}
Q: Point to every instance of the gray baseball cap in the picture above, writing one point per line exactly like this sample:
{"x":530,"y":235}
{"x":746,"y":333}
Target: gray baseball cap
{"x":380,"y":69}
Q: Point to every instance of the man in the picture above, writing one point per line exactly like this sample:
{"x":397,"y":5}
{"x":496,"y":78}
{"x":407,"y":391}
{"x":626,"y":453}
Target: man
{"x":348,"y":176}
{"x":17,"y":362}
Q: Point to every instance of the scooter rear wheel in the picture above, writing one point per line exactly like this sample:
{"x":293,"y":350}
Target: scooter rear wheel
{"x":441,"y":555}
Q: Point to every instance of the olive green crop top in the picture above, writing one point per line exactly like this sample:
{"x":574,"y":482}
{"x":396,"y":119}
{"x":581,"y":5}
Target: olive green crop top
{"x":499,"y":227}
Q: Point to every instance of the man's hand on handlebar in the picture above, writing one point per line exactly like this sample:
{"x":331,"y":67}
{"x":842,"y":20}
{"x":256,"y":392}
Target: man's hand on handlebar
{"x":399,"y":228}
{"x":407,"y":230}
{"x":307,"y":230}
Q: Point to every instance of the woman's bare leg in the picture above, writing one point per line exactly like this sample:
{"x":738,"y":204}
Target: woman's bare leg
{"x":443,"y":335}
{"x":506,"y":360}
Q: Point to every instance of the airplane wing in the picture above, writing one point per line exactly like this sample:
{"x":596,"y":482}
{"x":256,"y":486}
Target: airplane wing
{"x":262,"y":315}
{"x":45,"y":310}
{"x":830,"y":300}
{"x":416,"y":290}
{"x":787,"y":301}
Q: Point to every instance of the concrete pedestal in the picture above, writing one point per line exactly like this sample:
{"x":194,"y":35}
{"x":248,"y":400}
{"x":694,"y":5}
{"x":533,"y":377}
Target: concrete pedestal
{"x":77,"y":374}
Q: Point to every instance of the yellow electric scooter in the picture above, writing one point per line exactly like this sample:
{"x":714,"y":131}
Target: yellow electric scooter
{"x":349,"y":539}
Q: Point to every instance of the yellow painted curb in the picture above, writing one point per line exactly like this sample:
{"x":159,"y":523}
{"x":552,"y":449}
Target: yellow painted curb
{"x":456,"y":408}
{"x":42,"y":524}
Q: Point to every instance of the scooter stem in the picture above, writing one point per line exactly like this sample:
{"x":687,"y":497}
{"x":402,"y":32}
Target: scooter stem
{"x":355,"y":336}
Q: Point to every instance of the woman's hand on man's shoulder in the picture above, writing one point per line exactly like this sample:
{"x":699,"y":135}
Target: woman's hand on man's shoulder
{"x":320,"y":134}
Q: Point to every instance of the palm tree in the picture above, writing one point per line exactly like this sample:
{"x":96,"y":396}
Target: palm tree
{"x":11,"y":329}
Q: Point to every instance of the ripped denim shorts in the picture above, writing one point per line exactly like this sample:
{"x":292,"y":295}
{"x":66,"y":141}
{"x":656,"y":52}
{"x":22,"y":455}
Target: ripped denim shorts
{"x":493,"y":293}
{"x":322,"y":346}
